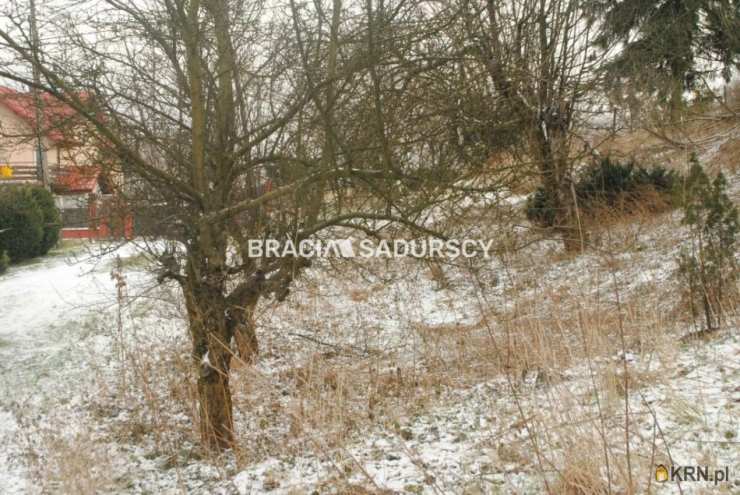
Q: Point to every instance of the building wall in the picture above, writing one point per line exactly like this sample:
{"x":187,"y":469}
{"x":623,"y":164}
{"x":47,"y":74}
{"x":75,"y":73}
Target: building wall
{"x":15,"y":150}
{"x":79,"y":210}
{"x":17,"y":145}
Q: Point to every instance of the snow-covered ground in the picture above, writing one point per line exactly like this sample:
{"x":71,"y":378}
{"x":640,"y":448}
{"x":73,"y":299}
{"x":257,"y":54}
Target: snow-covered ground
{"x":50,"y":309}
{"x":500,"y":376}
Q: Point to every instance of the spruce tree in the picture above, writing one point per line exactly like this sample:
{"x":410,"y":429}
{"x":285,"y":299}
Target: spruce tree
{"x":707,"y":266}
{"x":667,"y":43}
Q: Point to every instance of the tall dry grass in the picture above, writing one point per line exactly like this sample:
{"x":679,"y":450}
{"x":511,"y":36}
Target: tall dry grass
{"x":538,"y":321}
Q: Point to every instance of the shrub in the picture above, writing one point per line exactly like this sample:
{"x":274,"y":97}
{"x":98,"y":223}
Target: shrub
{"x":659,"y":178}
{"x":28,"y":220}
{"x":52,"y":219}
{"x":607,"y":183}
{"x":21,"y":221}
{"x":540,"y":208}
{"x":707,"y":267}
{"x":4,"y":262}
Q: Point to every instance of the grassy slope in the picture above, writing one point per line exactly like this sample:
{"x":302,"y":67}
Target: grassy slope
{"x":502,"y":376}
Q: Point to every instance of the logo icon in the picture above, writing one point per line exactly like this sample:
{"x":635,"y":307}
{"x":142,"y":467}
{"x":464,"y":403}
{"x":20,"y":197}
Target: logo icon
{"x":661,"y":473}
{"x":345,"y":248}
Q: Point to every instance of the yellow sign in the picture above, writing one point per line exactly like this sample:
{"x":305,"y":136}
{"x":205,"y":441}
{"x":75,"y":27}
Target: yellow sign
{"x":6,"y":171}
{"x":661,"y":474}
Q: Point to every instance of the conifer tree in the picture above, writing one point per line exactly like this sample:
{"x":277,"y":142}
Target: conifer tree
{"x":669,"y":45}
{"x":707,"y":266}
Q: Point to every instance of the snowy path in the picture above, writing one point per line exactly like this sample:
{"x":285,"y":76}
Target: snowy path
{"x":42,"y":304}
{"x":44,"y":307}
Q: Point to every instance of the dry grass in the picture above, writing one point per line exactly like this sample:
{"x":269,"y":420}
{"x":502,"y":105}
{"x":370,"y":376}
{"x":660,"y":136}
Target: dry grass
{"x":330,"y":395}
{"x":539,"y":337}
{"x":581,"y":474}
{"x":78,"y":466}
{"x":710,"y":130}
{"x":554,"y":312}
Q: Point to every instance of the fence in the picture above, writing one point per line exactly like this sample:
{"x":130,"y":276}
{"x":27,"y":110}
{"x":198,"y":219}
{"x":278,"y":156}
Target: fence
{"x":28,"y":173}
{"x":18,"y":173}
{"x":93,"y":216}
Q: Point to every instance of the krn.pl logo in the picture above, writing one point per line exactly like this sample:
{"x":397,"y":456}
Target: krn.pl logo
{"x":692,"y":473}
{"x":661,"y":474}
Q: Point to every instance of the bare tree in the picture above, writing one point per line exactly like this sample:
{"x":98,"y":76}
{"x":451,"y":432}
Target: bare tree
{"x":232,"y":123}
{"x":544,"y":75}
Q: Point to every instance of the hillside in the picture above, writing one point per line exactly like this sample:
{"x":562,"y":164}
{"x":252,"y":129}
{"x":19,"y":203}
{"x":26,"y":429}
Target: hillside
{"x":533,"y":371}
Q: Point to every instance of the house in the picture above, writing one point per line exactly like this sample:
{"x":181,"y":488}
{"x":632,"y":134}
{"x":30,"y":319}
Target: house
{"x":81,"y":187}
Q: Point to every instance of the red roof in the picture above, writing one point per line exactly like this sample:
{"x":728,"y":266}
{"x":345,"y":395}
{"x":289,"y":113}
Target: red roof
{"x":76,"y":180}
{"x":57,"y":117}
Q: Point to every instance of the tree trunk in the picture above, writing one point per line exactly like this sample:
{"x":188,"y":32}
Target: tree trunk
{"x":554,"y":167}
{"x":241,"y":324}
{"x":216,"y":415}
{"x":211,"y":337}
